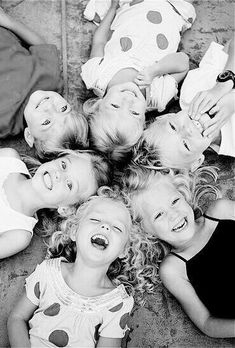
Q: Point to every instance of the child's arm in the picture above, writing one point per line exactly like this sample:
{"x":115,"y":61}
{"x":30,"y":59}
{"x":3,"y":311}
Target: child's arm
{"x":204,"y":101}
{"x":223,"y":110}
{"x":17,"y":324}
{"x":11,"y":242}
{"x":101,"y":35}
{"x":223,"y":209}
{"x":175,"y":64}
{"x":24,"y":33}
{"x":106,"y":342}
{"x":176,"y":282}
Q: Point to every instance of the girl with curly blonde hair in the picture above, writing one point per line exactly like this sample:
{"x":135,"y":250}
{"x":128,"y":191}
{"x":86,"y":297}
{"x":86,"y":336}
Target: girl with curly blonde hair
{"x":97,"y":263}
{"x":200,"y":246}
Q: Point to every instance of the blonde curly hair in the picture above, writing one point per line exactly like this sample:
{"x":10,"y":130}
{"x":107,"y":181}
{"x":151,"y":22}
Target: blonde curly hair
{"x":137,"y":270}
{"x":197,"y":188}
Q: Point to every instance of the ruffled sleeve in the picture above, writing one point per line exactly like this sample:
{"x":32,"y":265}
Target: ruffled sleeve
{"x":186,"y":11}
{"x":34,"y":284}
{"x":90,"y":73}
{"x":115,"y":321}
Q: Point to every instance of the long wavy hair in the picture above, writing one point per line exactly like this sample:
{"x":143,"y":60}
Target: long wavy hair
{"x":137,"y":270}
{"x":198,"y":188}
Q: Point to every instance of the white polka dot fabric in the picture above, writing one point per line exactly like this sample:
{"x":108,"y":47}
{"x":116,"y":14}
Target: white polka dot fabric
{"x":66,"y":319}
{"x":144,"y":31}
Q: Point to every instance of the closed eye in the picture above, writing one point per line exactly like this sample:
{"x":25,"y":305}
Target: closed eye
{"x":135,"y":113}
{"x":185,"y":145}
{"x":117,"y":228}
{"x":115,"y":106}
{"x":172,"y":126}
{"x":46,"y":122}
{"x":175,"y":201}
{"x":95,"y":220}
{"x":158,"y":215}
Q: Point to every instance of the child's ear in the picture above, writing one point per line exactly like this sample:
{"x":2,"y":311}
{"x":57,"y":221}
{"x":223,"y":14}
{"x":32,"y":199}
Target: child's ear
{"x":197,"y":163}
{"x":28,"y":137}
{"x":91,"y":106}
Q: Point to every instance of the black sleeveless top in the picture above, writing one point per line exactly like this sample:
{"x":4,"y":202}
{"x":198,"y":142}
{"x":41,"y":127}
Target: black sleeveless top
{"x":212,"y":271}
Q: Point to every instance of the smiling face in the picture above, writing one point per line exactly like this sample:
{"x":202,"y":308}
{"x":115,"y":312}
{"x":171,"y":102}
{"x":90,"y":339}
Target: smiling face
{"x":178,"y":139}
{"x":124,"y":101}
{"x":64,"y":181}
{"x":166,"y":214}
{"x":47,"y":115}
{"x":103,"y":231}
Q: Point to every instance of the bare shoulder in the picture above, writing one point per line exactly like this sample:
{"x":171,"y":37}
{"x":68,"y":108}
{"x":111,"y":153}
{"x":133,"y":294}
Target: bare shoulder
{"x":170,"y":268}
{"x":221,"y":209}
{"x":9,"y":152}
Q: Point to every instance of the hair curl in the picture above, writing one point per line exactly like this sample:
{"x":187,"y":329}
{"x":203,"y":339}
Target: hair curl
{"x":194,"y":187}
{"x":137,"y":270}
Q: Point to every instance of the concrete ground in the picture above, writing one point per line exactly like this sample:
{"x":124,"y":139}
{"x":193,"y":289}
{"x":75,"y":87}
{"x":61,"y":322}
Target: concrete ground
{"x":161,"y":322}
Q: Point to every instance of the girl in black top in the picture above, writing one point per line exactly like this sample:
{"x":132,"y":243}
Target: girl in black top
{"x":198,"y":270}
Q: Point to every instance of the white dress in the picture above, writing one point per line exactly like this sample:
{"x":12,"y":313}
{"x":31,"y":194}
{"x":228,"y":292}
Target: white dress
{"x":204,"y":78}
{"x":143,"y":33}
{"x":66,"y":319}
{"x":10,"y":219}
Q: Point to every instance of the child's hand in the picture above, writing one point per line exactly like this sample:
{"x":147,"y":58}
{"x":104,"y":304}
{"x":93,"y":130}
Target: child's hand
{"x":146,"y":76}
{"x":204,"y":101}
{"x":224,"y":108}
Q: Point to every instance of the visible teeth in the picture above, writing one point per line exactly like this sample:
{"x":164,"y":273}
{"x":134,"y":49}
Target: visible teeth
{"x":99,"y":241}
{"x":47,"y":180}
{"x":180,"y":225}
{"x":198,"y":125}
{"x":42,"y":101}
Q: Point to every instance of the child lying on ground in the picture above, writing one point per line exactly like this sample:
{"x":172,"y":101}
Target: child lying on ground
{"x":79,"y":297}
{"x":49,"y":120}
{"x":69,"y":179}
{"x":133,"y":62}
{"x":179,"y":140}
{"x":199,"y":267}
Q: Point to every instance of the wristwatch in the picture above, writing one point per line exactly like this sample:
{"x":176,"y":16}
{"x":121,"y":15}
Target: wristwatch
{"x":225,"y":76}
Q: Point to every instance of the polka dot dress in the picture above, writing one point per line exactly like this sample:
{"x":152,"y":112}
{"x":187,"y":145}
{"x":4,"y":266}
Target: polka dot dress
{"x":143,"y":32}
{"x":66,"y":319}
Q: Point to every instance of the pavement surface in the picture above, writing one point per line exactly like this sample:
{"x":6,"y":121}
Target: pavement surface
{"x":161,"y":323}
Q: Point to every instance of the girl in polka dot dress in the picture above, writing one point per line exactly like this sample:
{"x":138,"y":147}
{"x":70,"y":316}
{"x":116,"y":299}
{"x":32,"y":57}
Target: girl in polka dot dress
{"x":133,"y":64}
{"x":77,"y":298}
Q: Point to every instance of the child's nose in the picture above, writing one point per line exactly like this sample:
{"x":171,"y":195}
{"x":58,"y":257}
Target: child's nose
{"x":173,"y":214}
{"x":105,"y":227}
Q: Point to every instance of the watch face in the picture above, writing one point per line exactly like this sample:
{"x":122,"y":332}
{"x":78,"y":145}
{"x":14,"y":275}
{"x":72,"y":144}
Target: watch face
{"x":225,"y":76}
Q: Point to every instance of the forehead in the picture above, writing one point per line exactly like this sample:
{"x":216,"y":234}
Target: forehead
{"x":82,"y":171}
{"x":156,"y":195}
{"x":110,"y":208}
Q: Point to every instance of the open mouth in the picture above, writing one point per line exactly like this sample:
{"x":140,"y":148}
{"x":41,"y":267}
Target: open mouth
{"x":181,"y":225}
{"x":47,"y":181}
{"x":42,"y":101}
{"x":99,"y":241}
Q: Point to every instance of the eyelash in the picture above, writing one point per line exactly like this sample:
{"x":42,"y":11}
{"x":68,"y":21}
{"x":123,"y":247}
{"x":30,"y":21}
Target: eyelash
{"x":172,"y":127}
{"x":115,"y":106}
{"x":70,"y":185}
{"x":64,"y":108}
{"x":96,"y":220}
{"x":46,"y":122}
{"x":186,"y":146}
{"x":175,"y":201}
{"x":135,"y":113}
{"x":158,"y":216}
{"x":117,"y":228}
{"x":63,"y":165}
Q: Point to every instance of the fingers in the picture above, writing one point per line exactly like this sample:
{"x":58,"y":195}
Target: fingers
{"x":212,"y":131}
{"x":215,"y":109}
{"x":194,"y":106}
{"x":206,"y":105}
